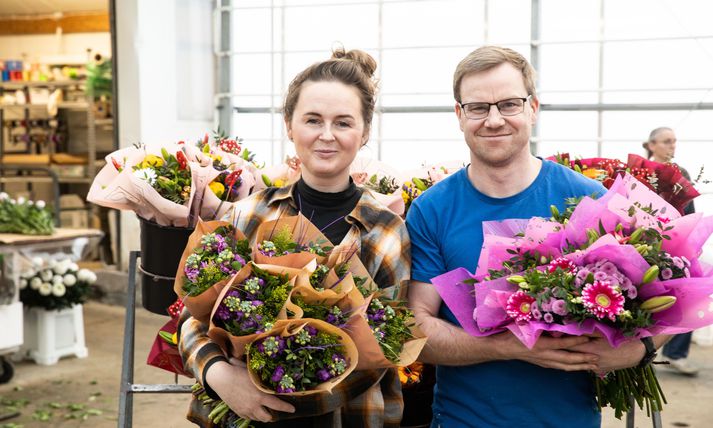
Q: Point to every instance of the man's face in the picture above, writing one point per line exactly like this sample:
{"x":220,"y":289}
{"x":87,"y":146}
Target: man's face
{"x":664,"y":146}
{"x":496,"y":140}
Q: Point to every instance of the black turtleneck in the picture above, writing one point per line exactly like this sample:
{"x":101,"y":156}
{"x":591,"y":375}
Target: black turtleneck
{"x":327,"y":210}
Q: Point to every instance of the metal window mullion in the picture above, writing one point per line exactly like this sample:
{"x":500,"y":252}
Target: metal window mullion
{"x":223,"y":67}
{"x":380,"y":55}
{"x":535,"y":21}
{"x":600,"y":94}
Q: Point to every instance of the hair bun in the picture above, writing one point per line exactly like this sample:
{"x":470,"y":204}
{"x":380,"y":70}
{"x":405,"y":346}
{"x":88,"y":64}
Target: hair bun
{"x":365,"y":61}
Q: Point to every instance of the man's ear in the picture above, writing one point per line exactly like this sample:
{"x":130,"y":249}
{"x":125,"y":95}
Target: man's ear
{"x":459,"y":115}
{"x":535,"y":105}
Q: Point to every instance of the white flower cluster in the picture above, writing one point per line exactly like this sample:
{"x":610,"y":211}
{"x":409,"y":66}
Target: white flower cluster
{"x":54,"y":276}
{"x":40,"y":204}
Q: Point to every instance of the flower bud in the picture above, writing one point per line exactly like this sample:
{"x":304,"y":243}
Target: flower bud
{"x":515,"y":279}
{"x":555,"y":212}
{"x":651,"y":274}
{"x":636,"y":236}
{"x":658,"y":303}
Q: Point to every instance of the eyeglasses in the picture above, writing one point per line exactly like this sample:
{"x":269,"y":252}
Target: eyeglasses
{"x":509,"y":107}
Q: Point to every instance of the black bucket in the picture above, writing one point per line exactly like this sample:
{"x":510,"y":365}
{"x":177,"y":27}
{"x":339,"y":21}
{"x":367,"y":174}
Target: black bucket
{"x":161,"y":251}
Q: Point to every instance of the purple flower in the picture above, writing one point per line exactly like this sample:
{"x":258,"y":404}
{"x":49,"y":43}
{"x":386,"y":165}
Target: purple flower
{"x":223,"y":313}
{"x":685,"y":261}
{"x":192,"y":274}
{"x":548,"y":317}
{"x":311,"y":330}
{"x":536,"y":314}
{"x":282,"y":390}
{"x":632,"y":292}
{"x":323,"y":375}
{"x":608,"y":268}
{"x":559,"y":307}
{"x":582,"y":274}
{"x":220,"y":244}
{"x":666,"y":273}
{"x":600,"y":276}
{"x":686,"y":272}
{"x":678,"y":263}
{"x":546,"y":306}
{"x":277,"y":374}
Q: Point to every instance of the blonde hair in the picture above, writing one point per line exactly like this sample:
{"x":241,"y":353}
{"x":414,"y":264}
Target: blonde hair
{"x":354,"y":68}
{"x":487,"y":57}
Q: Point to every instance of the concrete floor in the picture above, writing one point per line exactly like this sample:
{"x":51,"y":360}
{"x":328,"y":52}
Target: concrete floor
{"x":94,"y":383}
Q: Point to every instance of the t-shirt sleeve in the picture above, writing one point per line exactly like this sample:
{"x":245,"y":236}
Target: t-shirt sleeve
{"x":426,"y":259}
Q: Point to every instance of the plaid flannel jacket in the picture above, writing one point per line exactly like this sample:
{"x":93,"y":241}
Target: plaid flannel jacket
{"x":365,"y":398}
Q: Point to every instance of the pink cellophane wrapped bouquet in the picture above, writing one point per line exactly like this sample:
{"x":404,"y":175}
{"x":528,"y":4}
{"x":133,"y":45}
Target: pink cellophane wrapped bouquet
{"x":622,"y":267}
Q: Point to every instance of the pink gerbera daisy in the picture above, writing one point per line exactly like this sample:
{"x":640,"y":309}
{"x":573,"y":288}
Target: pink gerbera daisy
{"x":520,"y":306}
{"x":562,"y":263}
{"x":602,"y":300}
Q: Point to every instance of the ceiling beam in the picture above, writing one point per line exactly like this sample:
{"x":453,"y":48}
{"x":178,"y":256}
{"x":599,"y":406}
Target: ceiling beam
{"x":90,"y":22}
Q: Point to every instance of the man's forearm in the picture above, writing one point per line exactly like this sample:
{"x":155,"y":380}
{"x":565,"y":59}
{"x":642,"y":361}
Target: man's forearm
{"x":451,"y":346}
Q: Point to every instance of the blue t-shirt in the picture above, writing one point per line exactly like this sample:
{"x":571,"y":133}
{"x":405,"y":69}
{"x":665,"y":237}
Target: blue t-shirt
{"x":445,"y":225}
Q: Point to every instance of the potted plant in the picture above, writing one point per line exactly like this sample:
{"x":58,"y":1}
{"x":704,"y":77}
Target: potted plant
{"x":52,"y":292}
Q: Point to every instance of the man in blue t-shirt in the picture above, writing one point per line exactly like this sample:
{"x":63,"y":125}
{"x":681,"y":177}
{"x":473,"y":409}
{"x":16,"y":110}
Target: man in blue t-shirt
{"x":496,"y":381}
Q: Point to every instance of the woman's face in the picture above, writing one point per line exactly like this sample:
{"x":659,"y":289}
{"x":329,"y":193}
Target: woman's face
{"x":328,"y":130}
{"x":663,"y":148}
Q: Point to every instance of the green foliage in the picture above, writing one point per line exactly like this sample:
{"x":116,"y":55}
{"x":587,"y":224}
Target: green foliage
{"x":25,"y":217}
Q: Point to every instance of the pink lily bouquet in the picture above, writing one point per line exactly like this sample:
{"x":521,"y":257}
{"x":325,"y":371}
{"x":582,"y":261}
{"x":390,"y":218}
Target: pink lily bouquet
{"x":623,"y":267}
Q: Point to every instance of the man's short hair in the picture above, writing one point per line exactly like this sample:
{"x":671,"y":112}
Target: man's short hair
{"x":487,"y":57}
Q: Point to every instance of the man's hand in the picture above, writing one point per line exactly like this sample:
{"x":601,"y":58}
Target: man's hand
{"x":563,"y":353}
{"x":232,"y":383}
{"x":628,"y":354}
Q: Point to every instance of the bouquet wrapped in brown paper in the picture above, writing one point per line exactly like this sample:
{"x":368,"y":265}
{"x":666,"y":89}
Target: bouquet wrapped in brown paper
{"x":258,"y":296}
{"x":386,"y":334}
{"x":291,"y":241}
{"x":215,"y":252}
{"x":297,"y":360}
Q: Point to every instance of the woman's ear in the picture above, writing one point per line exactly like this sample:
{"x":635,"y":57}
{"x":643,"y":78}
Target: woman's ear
{"x":289,"y":130}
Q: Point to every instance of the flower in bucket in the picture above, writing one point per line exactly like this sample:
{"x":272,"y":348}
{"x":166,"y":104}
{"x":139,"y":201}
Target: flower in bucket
{"x":55,"y":284}
{"x":226,"y":185}
{"x":24,"y":216}
{"x":168,"y":174}
{"x":220,"y":255}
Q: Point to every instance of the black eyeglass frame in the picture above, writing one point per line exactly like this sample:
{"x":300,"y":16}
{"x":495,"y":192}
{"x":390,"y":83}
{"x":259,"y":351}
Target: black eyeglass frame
{"x":524,"y":101}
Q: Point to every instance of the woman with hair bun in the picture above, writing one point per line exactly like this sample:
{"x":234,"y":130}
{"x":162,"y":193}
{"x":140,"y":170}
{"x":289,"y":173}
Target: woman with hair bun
{"x":328,"y":112}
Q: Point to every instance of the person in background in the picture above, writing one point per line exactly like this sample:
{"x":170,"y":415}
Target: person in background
{"x":661,"y":147}
{"x":496,"y":381}
{"x":328,"y":112}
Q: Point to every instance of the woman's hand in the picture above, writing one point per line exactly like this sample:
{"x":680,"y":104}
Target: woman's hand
{"x":232,"y":383}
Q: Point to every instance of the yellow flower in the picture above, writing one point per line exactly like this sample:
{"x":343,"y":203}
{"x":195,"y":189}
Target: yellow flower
{"x":216,"y":157}
{"x":279,"y":182}
{"x":217,"y":188}
{"x":592,"y":172}
{"x":151,"y":161}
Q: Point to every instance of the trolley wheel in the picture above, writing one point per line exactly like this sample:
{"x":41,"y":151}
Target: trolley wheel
{"x":7,"y":371}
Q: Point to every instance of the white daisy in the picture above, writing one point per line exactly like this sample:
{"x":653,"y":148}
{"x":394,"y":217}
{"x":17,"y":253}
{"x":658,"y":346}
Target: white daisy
{"x":146,"y":174}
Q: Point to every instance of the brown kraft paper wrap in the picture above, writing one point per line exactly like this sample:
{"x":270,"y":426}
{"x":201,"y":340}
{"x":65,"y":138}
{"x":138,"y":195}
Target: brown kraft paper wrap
{"x":235,"y":345}
{"x":370,"y":354}
{"x":350,"y":303}
{"x":200,"y":306}
{"x":349,"y":253}
{"x":287,"y":328}
{"x":303,"y":231}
